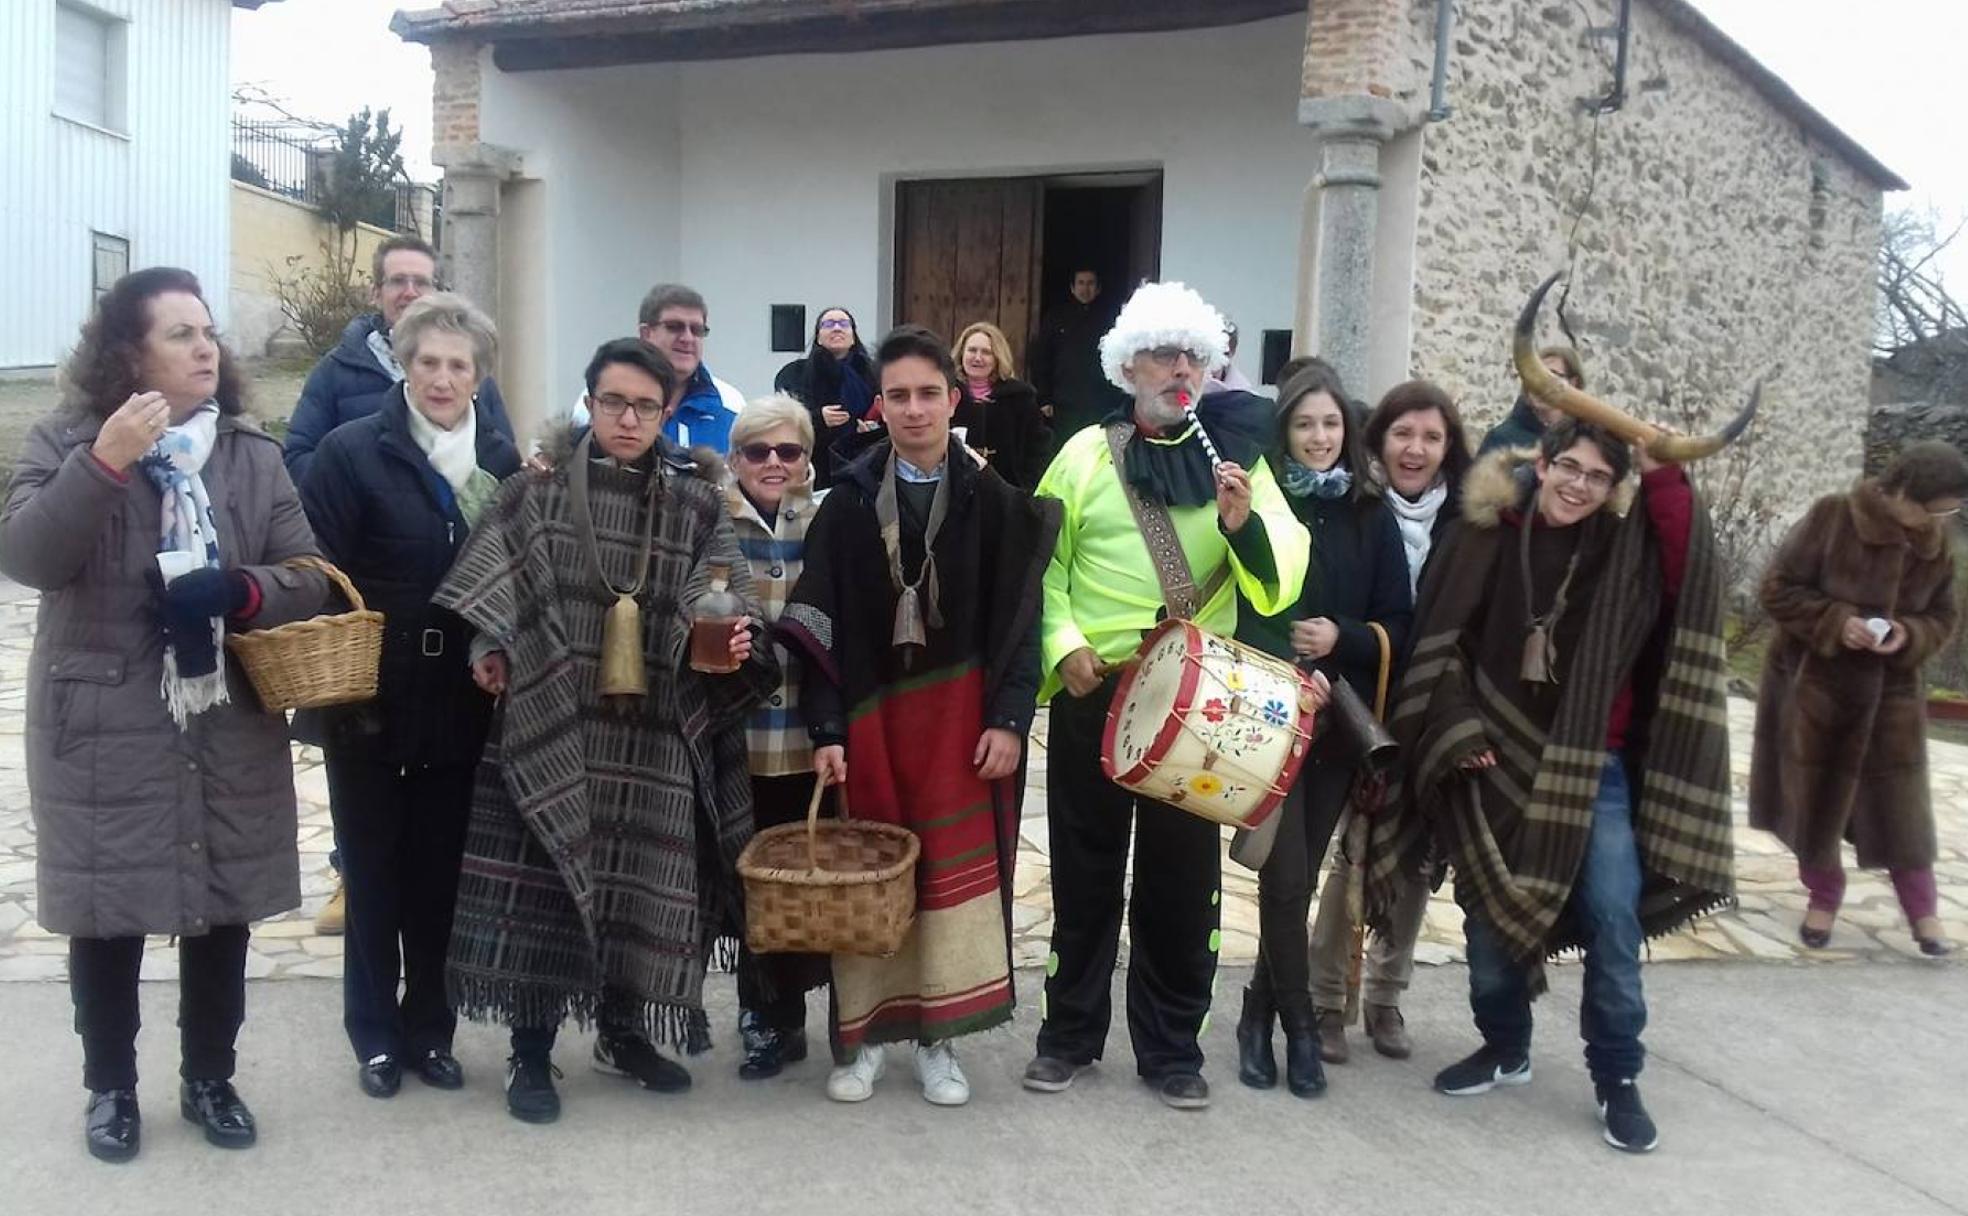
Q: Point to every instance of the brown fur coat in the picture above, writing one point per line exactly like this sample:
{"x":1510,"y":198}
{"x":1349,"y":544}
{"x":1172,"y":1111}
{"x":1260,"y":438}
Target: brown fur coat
{"x":1841,"y":738}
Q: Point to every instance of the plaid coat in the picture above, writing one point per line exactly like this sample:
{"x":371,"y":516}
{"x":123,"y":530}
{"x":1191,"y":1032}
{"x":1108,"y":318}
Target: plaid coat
{"x":775,"y":734}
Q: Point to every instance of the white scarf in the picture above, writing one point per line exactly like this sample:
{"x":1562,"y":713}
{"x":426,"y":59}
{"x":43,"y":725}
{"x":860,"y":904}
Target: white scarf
{"x":453,"y":453}
{"x":188,"y":539}
{"x":1417,"y":522}
{"x":378,"y":343}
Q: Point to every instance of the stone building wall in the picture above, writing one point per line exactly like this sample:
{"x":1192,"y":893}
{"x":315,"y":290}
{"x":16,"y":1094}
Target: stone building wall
{"x":1717,"y":242}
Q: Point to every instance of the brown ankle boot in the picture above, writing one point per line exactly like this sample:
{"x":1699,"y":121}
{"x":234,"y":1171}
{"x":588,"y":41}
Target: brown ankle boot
{"x":1332,"y":1035}
{"x":1389,"y":1031}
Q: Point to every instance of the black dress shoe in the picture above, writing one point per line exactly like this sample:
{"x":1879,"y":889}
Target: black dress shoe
{"x":767,"y":1051}
{"x":439,"y":1069}
{"x":114,"y":1127}
{"x":216,"y":1107}
{"x":380,"y":1077}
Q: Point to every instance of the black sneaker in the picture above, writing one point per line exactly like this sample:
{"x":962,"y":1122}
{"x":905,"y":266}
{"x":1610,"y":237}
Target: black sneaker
{"x":1629,"y":1128}
{"x":1483,"y":1072}
{"x":530,"y":1094}
{"x":636,"y":1058}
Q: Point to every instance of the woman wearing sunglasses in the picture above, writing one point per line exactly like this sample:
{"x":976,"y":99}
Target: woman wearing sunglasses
{"x":772,"y":500}
{"x":836,"y":384}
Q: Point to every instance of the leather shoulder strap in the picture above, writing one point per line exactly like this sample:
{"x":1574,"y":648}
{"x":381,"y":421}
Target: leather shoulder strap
{"x":1183,"y":598}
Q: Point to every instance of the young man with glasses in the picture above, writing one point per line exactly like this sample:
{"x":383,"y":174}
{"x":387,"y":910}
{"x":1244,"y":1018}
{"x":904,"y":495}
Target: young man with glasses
{"x":675,"y":320}
{"x":350,"y":382}
{"x":1567,"y":753}
{"x":1197,"y":478}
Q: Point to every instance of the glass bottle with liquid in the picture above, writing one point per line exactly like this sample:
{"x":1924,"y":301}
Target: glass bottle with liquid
{"x":712,"y":619}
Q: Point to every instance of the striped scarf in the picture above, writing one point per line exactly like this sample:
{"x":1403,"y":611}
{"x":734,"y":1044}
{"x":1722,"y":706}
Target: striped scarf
{"x":1517,"y":833}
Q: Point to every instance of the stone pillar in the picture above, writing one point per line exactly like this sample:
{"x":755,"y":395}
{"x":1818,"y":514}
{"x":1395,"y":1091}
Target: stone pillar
{"x":474,"y":175}
{"x":1341,"y":210}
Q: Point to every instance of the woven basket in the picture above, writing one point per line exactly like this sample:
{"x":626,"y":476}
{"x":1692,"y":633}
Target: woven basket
{"x":327,"y":660}
{"x":839,"y":887}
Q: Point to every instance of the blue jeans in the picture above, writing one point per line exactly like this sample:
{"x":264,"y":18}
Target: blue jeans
{"x":1605,"y":903}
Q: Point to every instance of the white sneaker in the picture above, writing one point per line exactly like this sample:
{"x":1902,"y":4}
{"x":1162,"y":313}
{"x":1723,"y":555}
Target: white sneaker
{"x":943,"y":1080}
{"x":856,"y":1082}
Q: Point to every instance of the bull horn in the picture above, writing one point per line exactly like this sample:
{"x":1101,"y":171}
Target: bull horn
{"x":1549,"y":390}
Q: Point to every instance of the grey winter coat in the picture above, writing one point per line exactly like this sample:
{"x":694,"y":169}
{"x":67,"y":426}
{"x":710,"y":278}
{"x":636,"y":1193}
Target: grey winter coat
{"x":141,"y":828}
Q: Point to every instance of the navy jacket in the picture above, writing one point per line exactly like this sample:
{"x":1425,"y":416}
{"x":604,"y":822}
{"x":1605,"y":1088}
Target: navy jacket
{"x":348,"y":384}
{"x":1522,"y":428}
{"x":1359,"y":573}
{"x":382,"y":514}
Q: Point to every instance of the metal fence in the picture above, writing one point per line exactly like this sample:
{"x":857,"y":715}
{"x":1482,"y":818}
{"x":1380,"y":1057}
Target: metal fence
{"x":292,"y":159}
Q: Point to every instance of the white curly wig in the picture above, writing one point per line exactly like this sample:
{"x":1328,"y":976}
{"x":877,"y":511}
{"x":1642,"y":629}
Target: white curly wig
{"x":1164,"y":314}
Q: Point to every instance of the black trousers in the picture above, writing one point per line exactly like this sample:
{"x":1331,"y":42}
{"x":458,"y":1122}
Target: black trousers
{"x":1291,"y":874}
{"x":102,"y":981}
{"x":402,"y":834}
{"x":774,"y":986}
{"x":1173,"y":919}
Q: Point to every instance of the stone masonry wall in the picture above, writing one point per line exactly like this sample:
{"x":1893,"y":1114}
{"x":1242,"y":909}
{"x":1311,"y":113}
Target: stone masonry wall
{"x":1718,"y":242}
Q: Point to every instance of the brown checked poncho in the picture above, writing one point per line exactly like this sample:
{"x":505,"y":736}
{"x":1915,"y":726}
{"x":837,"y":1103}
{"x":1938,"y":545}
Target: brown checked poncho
{"x":1516,"y":834}
{"x":602,"y":845}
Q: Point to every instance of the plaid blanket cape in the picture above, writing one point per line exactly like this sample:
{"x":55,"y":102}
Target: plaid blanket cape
{"x":600,"y":856}
{"x":1516,"y":834}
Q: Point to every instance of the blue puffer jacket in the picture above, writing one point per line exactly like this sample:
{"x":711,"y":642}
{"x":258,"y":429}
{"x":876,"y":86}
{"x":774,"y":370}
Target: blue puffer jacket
{"x":348,"y":384}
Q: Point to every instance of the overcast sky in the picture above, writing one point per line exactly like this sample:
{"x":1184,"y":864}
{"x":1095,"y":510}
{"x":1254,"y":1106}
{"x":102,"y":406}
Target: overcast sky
{"x":1890,"y":78}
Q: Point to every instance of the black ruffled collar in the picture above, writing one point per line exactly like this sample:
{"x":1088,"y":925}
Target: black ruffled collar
{"x":1175,"y":469}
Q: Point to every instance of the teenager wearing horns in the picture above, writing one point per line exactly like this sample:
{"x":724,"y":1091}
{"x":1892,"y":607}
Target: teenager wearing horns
{"x":916,"y":618}
{"x":613,"y":800}
{"x":1213,"y":510}
{"x":1564,"y":706}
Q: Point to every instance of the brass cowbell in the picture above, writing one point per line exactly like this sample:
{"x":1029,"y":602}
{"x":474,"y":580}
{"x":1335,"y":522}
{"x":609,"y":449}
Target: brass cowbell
{"x":622,"y":672}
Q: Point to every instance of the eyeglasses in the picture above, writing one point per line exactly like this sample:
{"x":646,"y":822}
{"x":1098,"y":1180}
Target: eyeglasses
{"x":398,"y":282}
{"x":676,"y":329}
{"x":1168,"y":356}
{"x":837,"y":323}
{"x":759,"y":453}
{"x":615,"y":405}
{"x":1597,"y":480}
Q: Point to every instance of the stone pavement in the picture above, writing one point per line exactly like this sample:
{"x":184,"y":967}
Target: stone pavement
{"x":1762,"y":928}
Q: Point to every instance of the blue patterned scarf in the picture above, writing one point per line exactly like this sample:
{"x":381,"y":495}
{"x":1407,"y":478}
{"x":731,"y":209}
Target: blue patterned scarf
{"x":188,"y":539}
{"x":1301,"y":481}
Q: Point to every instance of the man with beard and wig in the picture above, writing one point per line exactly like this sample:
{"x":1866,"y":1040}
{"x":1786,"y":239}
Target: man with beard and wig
{"x":1192,"y":472}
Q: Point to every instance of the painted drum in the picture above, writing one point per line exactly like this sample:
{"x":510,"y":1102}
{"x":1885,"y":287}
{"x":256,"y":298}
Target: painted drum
{"x":1209,"y":725}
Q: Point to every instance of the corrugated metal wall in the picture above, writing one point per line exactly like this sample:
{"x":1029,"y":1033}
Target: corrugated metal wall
{"x":162,"y":184}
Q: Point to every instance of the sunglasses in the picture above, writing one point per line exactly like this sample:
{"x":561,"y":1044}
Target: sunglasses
{"x":759,"y":453}
{"x":836,"y":323}
{"x":679,"y":328}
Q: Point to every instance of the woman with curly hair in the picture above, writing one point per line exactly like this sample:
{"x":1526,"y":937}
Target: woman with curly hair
{"x":153,"y":517}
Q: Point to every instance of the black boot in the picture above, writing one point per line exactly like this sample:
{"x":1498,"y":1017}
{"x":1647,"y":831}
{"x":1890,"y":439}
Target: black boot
{"x":1305,"y":1076}
{"x":767,"y":1051}
{"x":1257,"y":1067}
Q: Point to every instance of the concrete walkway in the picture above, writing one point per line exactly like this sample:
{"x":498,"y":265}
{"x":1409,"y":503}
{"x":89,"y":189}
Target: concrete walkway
{"x":1778,"y":1090}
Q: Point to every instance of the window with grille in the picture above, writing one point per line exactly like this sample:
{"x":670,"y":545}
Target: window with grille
{"x":110,"y":258}
{"x":89,"y":67}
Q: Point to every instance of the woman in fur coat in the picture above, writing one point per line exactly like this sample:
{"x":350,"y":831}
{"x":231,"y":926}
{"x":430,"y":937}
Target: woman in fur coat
{"x":1863,"y":594}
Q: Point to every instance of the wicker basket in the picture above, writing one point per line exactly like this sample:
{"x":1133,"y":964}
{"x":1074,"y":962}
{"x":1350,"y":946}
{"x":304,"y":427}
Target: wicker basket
{"x":327,"y":660}
{"x":839,"y":887}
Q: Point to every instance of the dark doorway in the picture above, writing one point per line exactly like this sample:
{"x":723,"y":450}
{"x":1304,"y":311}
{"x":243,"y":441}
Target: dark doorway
{"x":1111,"y":225}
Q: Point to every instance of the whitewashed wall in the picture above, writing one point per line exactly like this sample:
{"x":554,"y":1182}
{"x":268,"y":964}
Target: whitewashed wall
{"x":162,"y":184}
{"x":770,"y":180}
